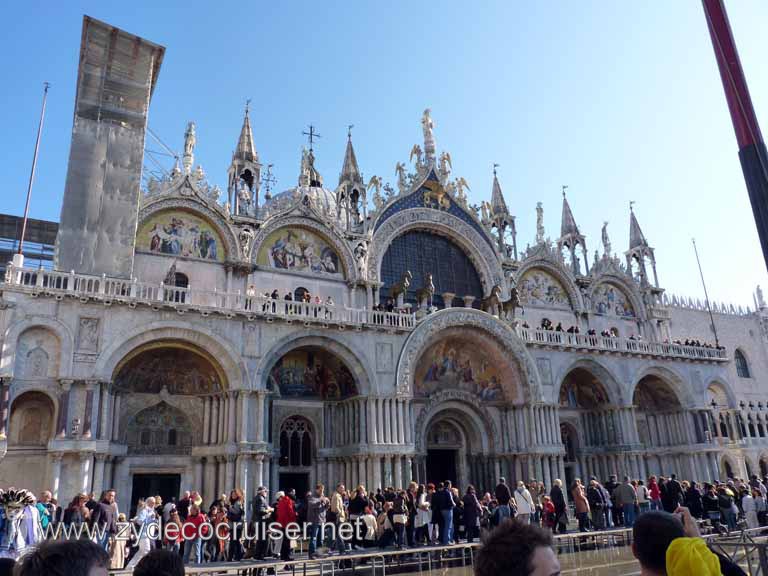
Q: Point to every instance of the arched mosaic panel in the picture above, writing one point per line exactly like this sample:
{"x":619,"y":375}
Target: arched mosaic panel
{"x":180,"y":233}
{"x":610,"y":300}
{"x":312,"y":372}
{"x":160,"y":429}
{"x":469,"y":361}
{"x":538,"y":288}
{"x":299,"y":250}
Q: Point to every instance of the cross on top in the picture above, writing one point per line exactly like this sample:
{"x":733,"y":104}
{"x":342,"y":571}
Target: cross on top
{"x":311,"y":135}
{"x":349,"y":130}
{"x":494,"y":168}
{"x":565,"y":187}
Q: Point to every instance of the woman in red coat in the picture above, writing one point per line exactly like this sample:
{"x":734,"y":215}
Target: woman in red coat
{"x":285,"y":514}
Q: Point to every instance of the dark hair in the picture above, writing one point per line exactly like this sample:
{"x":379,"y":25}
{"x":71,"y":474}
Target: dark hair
{"x":509,"y":548}
{"x":63,"y":558}
{"x":160,"y":563}
{"x":652,"y":534}
{"x":6,"y":566}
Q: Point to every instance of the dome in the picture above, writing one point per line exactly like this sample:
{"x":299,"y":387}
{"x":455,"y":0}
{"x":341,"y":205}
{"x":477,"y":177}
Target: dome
{"x":321,"y":199}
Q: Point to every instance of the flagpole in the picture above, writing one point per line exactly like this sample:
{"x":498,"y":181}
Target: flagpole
{"x":706,"y":296}
{"x":20,"y":252}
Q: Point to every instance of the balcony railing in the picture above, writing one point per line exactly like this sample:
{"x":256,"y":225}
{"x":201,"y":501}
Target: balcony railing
{"x":614,"y":344}
{"x":156,"y":294}
{"x":153,"y":294}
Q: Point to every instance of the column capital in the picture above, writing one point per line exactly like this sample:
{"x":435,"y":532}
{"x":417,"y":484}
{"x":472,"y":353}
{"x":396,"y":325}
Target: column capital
{"x":85,"y":456}
{"x":56,"y":457}
{"x":258,"y":457}
{"x":101,"y":457}
{"x":66,"y":384}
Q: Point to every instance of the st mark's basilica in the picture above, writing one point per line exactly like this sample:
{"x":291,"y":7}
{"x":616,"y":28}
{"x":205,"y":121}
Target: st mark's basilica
{"x":191,"y":337}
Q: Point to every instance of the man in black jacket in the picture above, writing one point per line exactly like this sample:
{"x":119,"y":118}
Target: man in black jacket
{"x":104,"y":518}
{"x":261,"y":512}
{"x":503,"y":496}
{"x":596,"y":504}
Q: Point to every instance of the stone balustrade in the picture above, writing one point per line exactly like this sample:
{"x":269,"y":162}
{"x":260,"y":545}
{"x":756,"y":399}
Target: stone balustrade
{"x":133,"y":291}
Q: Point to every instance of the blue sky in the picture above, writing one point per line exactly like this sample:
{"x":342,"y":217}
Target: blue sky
{"x":620,"y":100}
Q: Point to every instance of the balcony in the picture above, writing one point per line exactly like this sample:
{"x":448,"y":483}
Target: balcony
{"x":156,"y":295}
{"x":134,"y":292}
{"x":585,"y":342}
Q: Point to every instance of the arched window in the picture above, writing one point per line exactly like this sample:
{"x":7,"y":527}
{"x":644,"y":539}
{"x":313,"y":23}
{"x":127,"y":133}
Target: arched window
{"x":742,"y":368}
{"x":181,"y":280}
{"x":172,"y":437}
{"x":751,"y":426}
{"x":298,"y":294}
{"x":295,"y":443}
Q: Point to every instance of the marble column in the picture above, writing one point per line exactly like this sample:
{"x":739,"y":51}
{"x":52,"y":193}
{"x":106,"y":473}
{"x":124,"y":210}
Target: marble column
{"x":199,"y":475}
{"x":377,"y":481}
{"x":244,"y":400}
{"x":362,"y":473}
{"x":98,"y":473}
{"x":214,"y":420}
{"x":258,"y":476}
{"x":5,"y":391}
{"x":232,"y":415}
{"x":84,"y":480}
{"x":260,"y":415}
{"x":206,"y":419}
{"x":400,"y":421}
{"x":116,"y":404}
{"x":56,"y":473}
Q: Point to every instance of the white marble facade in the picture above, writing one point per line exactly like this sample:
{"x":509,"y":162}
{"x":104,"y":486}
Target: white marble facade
{"x":185,"y":370}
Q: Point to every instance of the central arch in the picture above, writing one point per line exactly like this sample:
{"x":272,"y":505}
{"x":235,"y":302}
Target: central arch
{"x":514,"y":361}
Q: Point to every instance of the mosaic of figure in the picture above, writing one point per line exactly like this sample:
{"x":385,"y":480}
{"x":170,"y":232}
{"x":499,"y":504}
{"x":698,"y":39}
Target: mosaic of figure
{"x":312,"y":373}
{"x":159,"y":429}
{"x":179,"y":371}
{"x":180,"y":234}
{"x":300,"y":251}
{"x":537,"y":288}
{"x":607,"y":299}
{"x":457,"y":363}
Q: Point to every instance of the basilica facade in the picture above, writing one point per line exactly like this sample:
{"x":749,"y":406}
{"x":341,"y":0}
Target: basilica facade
{"x":420,"y":341}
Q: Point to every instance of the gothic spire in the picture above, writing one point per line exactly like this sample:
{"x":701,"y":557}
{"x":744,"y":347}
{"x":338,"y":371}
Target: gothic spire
{"x":350,"y":172}
{"x":636,"y":237}
{"x":498,"y":205}
{"x":568,"y":226}
{"x":245,"y":147}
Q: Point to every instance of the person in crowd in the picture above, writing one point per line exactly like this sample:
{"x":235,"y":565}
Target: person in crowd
{"x":692,"y":499}
{"x":317,"y":506}
{"x":145,"y":517}
{"x":356,"y":509}
{"x":626,"y":498}
{"x":338,"y":515}
{"x":118,"y":549}
{"x":548,"y":519}
{"x":560,"y":509}
{"x":674,"y":494}
{"x":285,"y":514}
{"x":447,"y":504}
{"x":104,"y":518}
{"x":749,"y":507}
{"x":399,"y":518}
{"x":654,"y":491}
{"x":183,"y":505}
{"x":160,"y":563}
{"x":503,"y":495}
{"x":597,"y":504}
{"x":643,"y":497}
{"x":261,"y":512}
{"x":436,"y":519}
{"x":236,"y":519}
{"x":580,"y":505}
{"x":524,"y":503}
{"x":473,"y":511}
{"x":728,"y":509}
{"x":64,"y":558}
{"x":194,"y":529}
{"x":517,"y":548}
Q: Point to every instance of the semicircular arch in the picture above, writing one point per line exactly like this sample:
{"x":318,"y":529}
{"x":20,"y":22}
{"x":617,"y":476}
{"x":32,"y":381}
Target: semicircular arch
{"x":669,"y":377}
{"x":466,"y":411}
{"x":59,"y":329}
{"x":326,"y":233}
{"x":558,"y":272}
{"x":154,"y":209}
{"x":349,"y":354}
{"x":627,"y":289}
{"x":232,"y":366}
{"x":431,"y":329}
{"x":600,"y":372}
{"x":482,"y":256}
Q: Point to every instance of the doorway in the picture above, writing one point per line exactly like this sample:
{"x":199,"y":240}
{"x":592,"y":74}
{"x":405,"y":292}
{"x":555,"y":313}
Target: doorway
{"x":167,"y":486}
{"x":297,"y":480}
{"x":441,"y":466}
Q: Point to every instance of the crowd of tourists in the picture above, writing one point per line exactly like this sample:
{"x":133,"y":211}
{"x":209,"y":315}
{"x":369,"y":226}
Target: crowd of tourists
{"x":227,"y":529}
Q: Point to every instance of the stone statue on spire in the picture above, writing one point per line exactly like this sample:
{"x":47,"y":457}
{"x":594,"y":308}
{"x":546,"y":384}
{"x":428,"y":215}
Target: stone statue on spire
{"x":189,"y":147}
{"x":539,"y":223}
{"x":429,"y":139}
{"x":606,"y":240}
